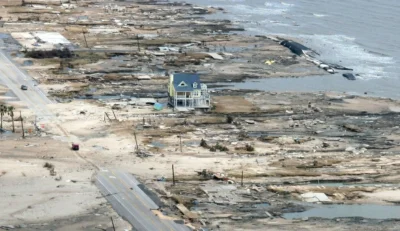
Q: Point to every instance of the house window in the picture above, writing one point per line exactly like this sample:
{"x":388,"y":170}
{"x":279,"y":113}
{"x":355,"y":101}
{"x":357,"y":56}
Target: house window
{"x":182,"y":84}
{"x":196,"y":93}
{"x":194,"y":85}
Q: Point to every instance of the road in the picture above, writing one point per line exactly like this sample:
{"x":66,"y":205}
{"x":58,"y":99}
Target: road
{"x":122,"y":191}
{"x":34,"y":98}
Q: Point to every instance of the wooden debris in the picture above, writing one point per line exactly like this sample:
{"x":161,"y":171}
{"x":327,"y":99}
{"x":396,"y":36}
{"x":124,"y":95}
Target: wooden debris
{"x":186,"y":212}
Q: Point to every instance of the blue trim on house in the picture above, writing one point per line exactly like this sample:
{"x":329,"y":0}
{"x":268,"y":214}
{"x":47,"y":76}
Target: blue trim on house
{"x":189,"y":79}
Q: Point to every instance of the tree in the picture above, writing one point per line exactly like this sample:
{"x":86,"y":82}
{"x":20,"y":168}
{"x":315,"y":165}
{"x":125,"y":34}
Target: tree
{"x":3,"y":111}
{"x":10,"y":110}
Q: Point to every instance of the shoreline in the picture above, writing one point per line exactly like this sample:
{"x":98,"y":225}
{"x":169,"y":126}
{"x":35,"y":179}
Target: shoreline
{"x":385,"y":85}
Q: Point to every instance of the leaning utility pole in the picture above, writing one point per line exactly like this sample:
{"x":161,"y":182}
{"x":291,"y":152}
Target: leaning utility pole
{"x":84,"y":37}
{"x":137,"y":146}
{"x":112,"y":221}
{"x":114,"y":114}
{"x":105,"y":113}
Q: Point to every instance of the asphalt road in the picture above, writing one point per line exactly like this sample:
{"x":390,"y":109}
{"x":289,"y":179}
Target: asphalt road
{"x":34,"y":98}
{"x":122,"y":191}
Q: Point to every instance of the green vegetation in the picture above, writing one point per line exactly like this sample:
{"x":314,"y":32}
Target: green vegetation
{"x":219,"y":147}
{"x":6,"y":110}
{"x":214,"y":148}
{"x":249,"y":148}
{"x":3,"y":111}
{"x":204,"y":144}
{"x":10,"y":111}
{"x":229,"y":119}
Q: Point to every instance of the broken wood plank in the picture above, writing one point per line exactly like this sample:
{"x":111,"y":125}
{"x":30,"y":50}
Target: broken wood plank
{"x":186,"y":212}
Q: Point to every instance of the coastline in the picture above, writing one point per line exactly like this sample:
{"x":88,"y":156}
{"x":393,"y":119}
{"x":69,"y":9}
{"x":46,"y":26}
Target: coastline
{"x":380,"y":86}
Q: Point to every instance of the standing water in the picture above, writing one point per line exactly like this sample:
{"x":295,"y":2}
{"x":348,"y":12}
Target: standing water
{"x":334,"y":211}
{"x":362,"y":35}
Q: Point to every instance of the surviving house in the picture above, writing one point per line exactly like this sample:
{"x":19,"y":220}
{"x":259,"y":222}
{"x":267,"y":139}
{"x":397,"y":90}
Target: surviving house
{"x":186,"y":91}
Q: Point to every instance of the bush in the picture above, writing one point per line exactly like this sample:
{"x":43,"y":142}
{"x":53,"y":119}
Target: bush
{"x":204,"y":144}
{"x":229,"y":119}
{"x":249,"y":148}
{"x":48,"y":165}
{"x":219,"y":147}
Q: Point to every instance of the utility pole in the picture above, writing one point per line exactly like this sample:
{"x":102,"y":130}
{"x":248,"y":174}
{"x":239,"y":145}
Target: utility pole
{"x":242,"y":179}
{"x":84,"y":36}
{"x":173,"y":175}
{"x":22,"y":125}
{"x":137,"y":146}
{"x":114,"y":114}
{"x":137,"y":42}
{"x":107,"y":116}
{"x":180,"y":141}
{"x":112,"y":222}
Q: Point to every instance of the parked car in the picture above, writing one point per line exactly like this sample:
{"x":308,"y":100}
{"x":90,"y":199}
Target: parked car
{"x":75,"y":147}
{"x":24,"y":87}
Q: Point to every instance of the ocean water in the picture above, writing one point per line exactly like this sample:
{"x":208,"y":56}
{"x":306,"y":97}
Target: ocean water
{"x":359,"y":34}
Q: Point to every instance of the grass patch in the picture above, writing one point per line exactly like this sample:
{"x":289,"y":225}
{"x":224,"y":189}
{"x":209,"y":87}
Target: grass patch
{"x":219,"y":147}
{"x":48,"y":61}
{"x":82,"y":58}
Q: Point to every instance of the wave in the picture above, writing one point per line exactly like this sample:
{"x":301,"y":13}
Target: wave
{"x":287,"y":4}
{"x":319,"y":15}
{"x":344,"y":50}
{"x":242,"y":9}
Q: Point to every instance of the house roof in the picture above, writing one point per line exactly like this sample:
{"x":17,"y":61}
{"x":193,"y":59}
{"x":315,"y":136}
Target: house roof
{"x":188,"y":79}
